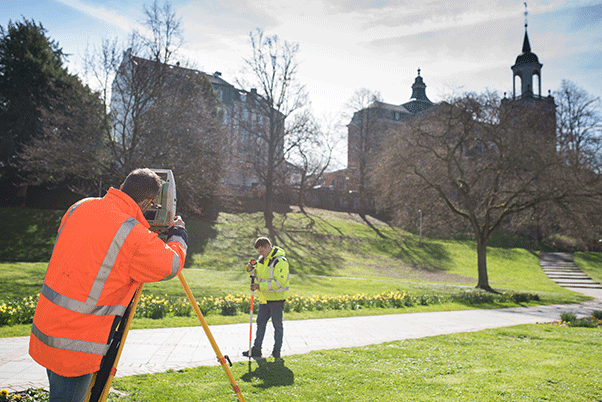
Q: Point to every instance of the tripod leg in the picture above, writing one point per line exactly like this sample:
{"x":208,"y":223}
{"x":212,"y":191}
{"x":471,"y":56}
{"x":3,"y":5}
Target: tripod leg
{"x":99,"y":392}
{"x":220,"y":357}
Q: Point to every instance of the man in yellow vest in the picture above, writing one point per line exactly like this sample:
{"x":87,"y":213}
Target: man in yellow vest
{"x":272,"y":281}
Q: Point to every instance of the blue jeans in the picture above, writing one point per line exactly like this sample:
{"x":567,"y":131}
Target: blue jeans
{"x":274,"y":310}
{"x":68,"y":389}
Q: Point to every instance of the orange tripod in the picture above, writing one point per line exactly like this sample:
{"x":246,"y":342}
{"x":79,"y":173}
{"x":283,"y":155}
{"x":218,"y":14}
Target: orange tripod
{"x":101,"y":382}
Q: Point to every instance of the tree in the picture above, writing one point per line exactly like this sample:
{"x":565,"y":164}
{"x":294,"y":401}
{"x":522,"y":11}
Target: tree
{"x":477,"y":161}
{"x":183,"y":131}
{"x":579,"y":126}
{"x":72,"y":146}
{"x":162,"y":115}
{"x":311,"y":156}
{"x":579,"y":133}
{"x":272,"y":70}
{"x":363,"y":138}
{"x":31,"y":65}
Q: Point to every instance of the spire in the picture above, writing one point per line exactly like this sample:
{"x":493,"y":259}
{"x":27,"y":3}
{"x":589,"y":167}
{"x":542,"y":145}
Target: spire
{"x":526,"y":44}
{"x":419,"y":89}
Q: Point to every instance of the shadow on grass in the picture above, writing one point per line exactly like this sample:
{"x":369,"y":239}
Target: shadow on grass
{"x":28,"y":234}
{"x":323,"y":253}
{"x":271,"y":374}
{"x":199,"y":235}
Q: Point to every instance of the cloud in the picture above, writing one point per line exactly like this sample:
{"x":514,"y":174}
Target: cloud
{"x":112,"y":17}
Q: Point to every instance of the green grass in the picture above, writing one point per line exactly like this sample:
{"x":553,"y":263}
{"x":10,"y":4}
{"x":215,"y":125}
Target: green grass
{"x":335,"y":254}
{"x":591,"y":264}
{"x":331,"y":253}
{"x":523,"y":363}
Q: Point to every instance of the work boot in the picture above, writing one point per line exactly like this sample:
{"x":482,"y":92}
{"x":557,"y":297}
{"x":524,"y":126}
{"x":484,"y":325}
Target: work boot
{"x":275,"y":355}
{"x":254,"y":352}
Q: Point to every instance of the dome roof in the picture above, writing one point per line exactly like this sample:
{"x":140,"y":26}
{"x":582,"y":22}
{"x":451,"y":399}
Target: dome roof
{"x":526,"y":58}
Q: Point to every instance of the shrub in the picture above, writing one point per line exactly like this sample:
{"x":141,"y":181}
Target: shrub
{"x":583,"y":322}
{"x":568,"y":317}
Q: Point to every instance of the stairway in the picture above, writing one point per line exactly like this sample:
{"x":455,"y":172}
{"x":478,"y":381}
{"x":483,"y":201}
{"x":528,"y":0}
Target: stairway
{"x":561,"y":268}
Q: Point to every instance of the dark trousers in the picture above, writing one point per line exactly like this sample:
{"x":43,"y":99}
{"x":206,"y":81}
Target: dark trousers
{"x":274,"y":310}
{"x":68,"y":389}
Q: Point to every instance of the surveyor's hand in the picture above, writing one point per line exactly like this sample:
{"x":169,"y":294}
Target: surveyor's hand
{"x":177,"y":221}
{"x":254,"y":286}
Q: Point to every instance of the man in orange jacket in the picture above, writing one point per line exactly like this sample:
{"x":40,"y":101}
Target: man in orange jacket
{"x":103,"y":251}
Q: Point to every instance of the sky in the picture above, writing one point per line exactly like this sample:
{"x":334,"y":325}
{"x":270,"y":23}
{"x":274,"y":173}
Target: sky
{"x":346,"y":45}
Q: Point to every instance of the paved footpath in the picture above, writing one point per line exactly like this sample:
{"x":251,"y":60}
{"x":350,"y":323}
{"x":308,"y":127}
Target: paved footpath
{"x":157,"y":350}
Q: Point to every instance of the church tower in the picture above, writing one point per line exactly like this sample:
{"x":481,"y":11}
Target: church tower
{"x":527,"y":67}
{"x":528,"y":109}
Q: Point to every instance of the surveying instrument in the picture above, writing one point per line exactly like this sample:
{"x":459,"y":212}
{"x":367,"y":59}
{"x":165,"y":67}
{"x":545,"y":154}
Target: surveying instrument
{"x":159,"y":216}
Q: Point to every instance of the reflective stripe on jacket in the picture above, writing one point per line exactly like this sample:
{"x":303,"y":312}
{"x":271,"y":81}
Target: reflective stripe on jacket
{"x":272,"y":274}
{"x":103,"y":251}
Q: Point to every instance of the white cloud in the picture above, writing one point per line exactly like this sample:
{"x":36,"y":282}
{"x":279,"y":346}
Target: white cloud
{"x":124,"y":22}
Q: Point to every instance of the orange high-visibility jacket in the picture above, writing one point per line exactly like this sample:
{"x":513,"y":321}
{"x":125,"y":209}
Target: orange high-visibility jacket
{"x":103,"y":252}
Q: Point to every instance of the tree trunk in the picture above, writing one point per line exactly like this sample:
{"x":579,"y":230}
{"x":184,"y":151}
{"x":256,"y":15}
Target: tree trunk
{"x":483,"y":282}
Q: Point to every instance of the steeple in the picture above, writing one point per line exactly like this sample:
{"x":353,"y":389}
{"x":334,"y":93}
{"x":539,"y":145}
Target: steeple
{"x":418,"y":101}
{"x":419,"y":89}
{"x":526,"y":66}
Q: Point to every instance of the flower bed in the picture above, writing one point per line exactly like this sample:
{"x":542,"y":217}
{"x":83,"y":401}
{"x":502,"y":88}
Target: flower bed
{"x":156,"y":307}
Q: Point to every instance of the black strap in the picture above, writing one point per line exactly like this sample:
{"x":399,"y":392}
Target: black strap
{"x":106,"y":365}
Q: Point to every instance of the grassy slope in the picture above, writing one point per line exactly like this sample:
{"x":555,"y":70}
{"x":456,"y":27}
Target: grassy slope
{"x":331,"y":253}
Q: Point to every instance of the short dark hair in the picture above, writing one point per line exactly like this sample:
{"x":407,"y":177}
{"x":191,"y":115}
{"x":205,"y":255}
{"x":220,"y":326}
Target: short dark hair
{"x":141,"y":184}
{"x":262,"y":242}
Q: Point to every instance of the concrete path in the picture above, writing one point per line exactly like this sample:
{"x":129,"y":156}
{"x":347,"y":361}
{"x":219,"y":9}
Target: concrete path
{"x":157,"y":350}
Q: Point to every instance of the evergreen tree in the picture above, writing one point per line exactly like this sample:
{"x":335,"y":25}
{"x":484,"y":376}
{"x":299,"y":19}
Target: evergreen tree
{"x":30,"y":64}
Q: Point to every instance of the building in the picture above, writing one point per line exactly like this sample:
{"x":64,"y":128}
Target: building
{"x":244,"y":117}
{"x":369,"y":126}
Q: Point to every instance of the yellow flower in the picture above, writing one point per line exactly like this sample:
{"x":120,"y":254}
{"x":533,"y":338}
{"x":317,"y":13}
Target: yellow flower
{"x":4,"y":393}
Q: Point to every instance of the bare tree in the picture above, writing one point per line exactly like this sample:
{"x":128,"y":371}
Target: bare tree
{"x":311,"y":156}
{"x":271,"y":72}
{"x":579,"y":126}
{"x":579,"y":133}
{"x":166,"y":36}
{"x":476,"y":160}
{"x":363,"y":137}
{"x":161,"y":115}
{"x":183,"y":130}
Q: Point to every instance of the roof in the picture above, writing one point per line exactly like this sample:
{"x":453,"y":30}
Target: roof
{"x":527,"y":56}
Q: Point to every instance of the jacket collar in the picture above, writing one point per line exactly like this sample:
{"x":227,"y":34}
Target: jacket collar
{"x":126,"y":204}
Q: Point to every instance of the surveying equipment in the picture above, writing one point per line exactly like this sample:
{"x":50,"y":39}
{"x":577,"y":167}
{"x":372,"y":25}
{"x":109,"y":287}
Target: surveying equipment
{"x":160,"y":215}
{"x":251,"y":316}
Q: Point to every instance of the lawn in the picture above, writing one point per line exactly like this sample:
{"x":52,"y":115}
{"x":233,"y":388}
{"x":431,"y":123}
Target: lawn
{"x":541,"y":362}
{"x":334,"y":254}
{"x":331,"y":254}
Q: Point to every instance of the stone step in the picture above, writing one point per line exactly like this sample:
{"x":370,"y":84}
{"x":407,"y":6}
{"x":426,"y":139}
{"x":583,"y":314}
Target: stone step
{"x":564,"y":271}
{"x":580,"y":286}
{"x":570,"y":278}
{"x":561,"y":268}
